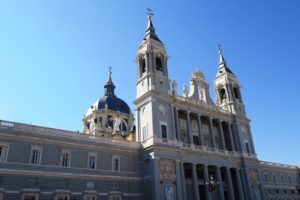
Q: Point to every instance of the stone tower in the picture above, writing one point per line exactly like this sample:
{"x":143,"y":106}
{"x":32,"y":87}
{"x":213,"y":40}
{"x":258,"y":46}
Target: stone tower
{"x":229,"y":98}
{"x":153,"y":89}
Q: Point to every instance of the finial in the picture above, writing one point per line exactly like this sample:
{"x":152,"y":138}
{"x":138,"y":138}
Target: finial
{"x":220,"y":48}
{"x":109,"y":73}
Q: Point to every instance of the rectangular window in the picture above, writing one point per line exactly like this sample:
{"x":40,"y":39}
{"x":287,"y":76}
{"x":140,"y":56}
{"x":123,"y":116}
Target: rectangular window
{"x":90,"y":184}
{"x":62,"y":197}
{"x":92,"y":157}
{"x":274,"y":178}
{"x":115,"y":198}
{"x":116,"y":163}
{"x":196,"y":140}
{"x":164,"y":133}
{"x":29,"y":196}
{"x":3,"y":152}
{"x":65,"y":158}
{"x":266,"y":177}
{"x":35,"y":155}
{"x":247,"y":147}
{"x":145,"y":133}
{"x":90,"y":197}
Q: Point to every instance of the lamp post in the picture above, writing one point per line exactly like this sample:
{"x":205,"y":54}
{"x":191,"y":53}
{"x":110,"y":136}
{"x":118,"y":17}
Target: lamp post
{"x":212,"y":185}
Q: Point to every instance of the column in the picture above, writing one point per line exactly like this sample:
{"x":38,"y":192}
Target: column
{"x":189,"y":129}
{"x":177,"y":125}
{"x":173,"y":123}
{"x":222,"y":135}
{"x":201,"y":142}
{"x":211,"y":132}
{"x":206,"y":179}
{"x":220,"y":185}
{"x":138,"y":130}
{"x":156,"y":178}
{"x":183,"y":182}
{"x":250,"y":135}
{"x":179,"y":180}
{"x":195,"y":182}
{"x":229,"y":184}
{"x":231,"y":138}
{"x":239,"y":183}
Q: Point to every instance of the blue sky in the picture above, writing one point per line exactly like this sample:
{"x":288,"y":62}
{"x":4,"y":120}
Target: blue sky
{"x":54,"y":57}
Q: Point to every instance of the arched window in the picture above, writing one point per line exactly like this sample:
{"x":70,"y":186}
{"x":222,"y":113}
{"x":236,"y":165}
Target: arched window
{"x":159,"y":66}
{"x":236,"y":92}
{"x":143,"y":65}
{"x":222,"y":93}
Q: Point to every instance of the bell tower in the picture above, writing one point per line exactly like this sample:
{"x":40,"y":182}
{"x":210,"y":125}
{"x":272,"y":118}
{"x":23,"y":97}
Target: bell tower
{"x":152,"y":64}
{"x":227,"y":89}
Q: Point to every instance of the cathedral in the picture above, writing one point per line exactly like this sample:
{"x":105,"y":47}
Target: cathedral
{"x":174,"y":147}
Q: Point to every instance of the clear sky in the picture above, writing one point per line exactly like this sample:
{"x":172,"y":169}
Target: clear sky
{"x":54,"y":57}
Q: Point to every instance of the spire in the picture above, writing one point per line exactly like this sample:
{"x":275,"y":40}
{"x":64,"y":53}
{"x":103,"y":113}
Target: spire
{"x":109,"y":86}
{"x":150,"y":31}
{"x":222,"y":62}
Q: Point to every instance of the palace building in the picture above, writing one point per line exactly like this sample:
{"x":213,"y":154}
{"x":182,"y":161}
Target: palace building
{"x":181,"y":147}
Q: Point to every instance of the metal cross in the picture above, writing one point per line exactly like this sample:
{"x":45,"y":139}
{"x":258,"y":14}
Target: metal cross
{"x":149,"y":11}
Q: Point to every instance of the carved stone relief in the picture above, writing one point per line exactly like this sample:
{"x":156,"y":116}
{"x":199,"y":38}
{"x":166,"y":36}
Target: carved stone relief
{"x":167,"y":169}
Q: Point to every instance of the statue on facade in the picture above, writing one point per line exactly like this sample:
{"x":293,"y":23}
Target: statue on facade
{"x":117,"y":122}
{"x":174,"y":88}
{"x":184,"y":91}
{"x":169,"y":192}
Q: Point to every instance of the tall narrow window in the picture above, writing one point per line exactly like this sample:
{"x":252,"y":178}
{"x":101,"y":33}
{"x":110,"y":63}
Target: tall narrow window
{"x":236,"y":92}
{"x":143,"y":65}
{"x":92,"y":160}
{"x":247,"y":147}
{"x":65,"y":158}
{"x":158,"y":64}
{"x":164,"y":133}
{"x":62,"y":197}
{"x":90,"y":197}
{"x":3,"y":152}
{"x":274,"y":178}
{"x":114,"y":197}
{"x":35,"y":155}
{"x":116,"y":163}
{"x":29,"y":196}
{"x":222,"y":93}
{"x":266,"y":177}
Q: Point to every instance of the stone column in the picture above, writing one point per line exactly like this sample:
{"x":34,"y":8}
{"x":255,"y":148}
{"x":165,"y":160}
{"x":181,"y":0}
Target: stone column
{"x":201,"y":142}
{"x":222,"y":135}
{"x":239,"y":183}
{"x":220,"y":185}
{"x":173,"y":123}
{"x":189,"y":129}
{"x":138,"y":128}
{"x":156,"y":178}
{"x":229,"y":184}
{"x":179,"y":180}
{"x":206,"y":179}
{"x":183,"y":182}
{"x":231,"y":137}
{"x":177,"y":125}
{"x":195,"y":182}
{"x":251,"y":139}
{"x":211,"y":132}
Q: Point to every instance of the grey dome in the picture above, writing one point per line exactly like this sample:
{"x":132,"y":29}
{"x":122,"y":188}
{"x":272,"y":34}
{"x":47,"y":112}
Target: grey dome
{"x":111,"y":102}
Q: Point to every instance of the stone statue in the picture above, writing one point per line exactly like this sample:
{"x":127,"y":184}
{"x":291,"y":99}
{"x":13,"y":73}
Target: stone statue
{"x":117,"y":124}
{"x":184,"y":91}
{"x":174,"y":87}
{"x":169,"y":192}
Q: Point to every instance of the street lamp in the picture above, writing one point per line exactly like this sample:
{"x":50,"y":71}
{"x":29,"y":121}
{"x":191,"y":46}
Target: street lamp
{"x":212,"y":185}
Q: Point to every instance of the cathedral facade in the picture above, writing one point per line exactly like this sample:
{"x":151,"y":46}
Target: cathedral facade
{"x":181,"y":147}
